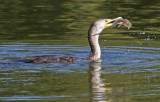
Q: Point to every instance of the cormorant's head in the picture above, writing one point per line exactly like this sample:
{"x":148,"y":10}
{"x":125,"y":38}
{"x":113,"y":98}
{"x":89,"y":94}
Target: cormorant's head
{"x":109,"y":23}
{"x":102,"y":23}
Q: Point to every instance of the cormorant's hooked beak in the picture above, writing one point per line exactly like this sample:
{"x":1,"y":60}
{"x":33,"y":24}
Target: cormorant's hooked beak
{"x":108,"y":23}
{"x":117,"y":21}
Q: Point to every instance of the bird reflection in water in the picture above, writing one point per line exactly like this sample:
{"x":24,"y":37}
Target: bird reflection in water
{"x":98,"y":89}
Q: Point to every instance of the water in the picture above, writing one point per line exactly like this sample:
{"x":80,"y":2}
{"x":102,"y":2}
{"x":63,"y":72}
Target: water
{"x":130,"y":67}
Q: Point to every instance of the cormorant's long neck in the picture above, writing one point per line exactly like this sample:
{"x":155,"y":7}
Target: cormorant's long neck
{"x":93,"y":36}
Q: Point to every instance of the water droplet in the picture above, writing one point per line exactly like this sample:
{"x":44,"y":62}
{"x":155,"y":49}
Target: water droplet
{"x":142,"y":33}
{"x":119,"y":25}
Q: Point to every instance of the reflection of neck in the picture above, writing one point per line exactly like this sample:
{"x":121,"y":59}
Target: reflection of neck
{"x":93,"y":35}
{"x":96,"y":82}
